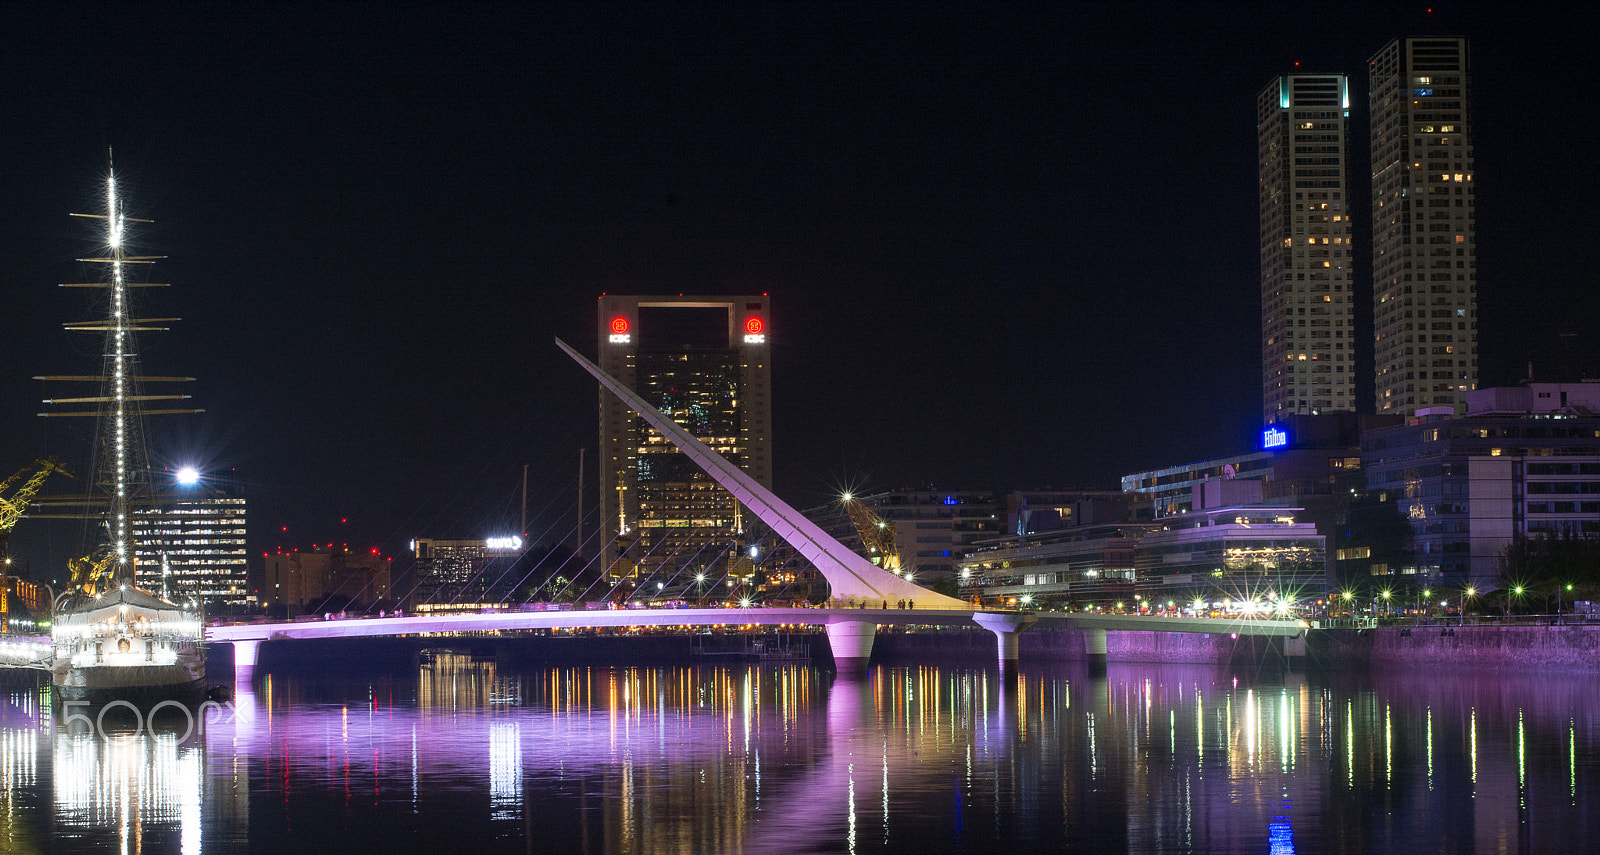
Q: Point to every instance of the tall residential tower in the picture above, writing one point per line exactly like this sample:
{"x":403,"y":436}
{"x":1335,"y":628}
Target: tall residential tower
{"x":704,"y":362}
{"x":1424,"y":268}
{"x":1307,"y":300}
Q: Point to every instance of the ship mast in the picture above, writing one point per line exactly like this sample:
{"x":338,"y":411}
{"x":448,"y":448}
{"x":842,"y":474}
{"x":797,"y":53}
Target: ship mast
{"x":121,"y":466}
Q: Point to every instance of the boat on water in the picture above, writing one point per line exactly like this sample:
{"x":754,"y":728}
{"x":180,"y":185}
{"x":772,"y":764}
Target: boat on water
{"x":127,"y":644}
{"x":110,"y":639}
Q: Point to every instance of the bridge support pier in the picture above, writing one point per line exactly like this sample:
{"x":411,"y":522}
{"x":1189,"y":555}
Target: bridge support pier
{"x":245,"y":655}
{"x":1294,"y":649}
{"x":1094,"y":648}
{"x":851,"y":642}
{"x":1006,"y":627}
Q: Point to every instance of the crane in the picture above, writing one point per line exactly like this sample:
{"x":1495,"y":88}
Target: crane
{"x":877,"y":534}
{"x":91,"y":573}
{"x":11,"y":507}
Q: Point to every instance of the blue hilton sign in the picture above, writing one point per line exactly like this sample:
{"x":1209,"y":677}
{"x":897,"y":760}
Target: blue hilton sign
{"x":1274,"y":438}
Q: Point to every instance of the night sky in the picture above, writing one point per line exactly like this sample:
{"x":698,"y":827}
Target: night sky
{"x":1006,"y":248}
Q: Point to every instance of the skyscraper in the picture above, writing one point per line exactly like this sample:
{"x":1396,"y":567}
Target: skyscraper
{"x":1424,"y":267}
{"x":191,"y":544}
{"x":1307,"y":300}
{"x":703,"y":361}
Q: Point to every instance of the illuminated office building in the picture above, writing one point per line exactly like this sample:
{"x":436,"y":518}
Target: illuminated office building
{"x":192,"y":545}
{"x":464,"y":575}
{"x":703,"y":361}
{"x":1307,"y":295}
{"x":1424,"y":263}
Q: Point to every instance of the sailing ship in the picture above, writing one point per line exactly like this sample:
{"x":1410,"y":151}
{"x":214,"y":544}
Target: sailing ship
{"x":111,"y":639}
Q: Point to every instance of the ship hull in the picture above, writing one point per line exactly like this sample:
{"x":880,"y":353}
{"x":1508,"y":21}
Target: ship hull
{"x":138,"y":684}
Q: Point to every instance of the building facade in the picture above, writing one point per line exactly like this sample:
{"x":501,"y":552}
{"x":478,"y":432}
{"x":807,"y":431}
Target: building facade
{"x":191,"y":545}
{"x":302,"y":580}
{"x":1424,"y":263}
{"x":463,"y":574}
{"x":1466,"y":488}
{"x":1307,"y":294}
{"x":933,"y":529}
{"x":705,"y":362}
{"x":22,"y":602}
{"x":1215,"y":555}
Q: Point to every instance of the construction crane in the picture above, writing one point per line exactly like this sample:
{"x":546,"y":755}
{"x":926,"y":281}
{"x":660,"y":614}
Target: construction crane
{"x":877,"y":534}
{"x":92,"y":573}
{"x":11,"y":507}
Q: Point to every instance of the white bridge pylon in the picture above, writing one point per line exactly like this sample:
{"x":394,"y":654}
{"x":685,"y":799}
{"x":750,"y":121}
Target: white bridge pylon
{"x":850,"y":576}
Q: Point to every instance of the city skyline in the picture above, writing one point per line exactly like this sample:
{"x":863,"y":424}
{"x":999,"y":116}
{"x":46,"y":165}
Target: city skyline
{"x":977,"y":283}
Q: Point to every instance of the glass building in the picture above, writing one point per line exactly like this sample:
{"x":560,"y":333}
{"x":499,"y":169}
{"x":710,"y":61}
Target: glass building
{"x":704,"y":362}
{"x":192,"y":545}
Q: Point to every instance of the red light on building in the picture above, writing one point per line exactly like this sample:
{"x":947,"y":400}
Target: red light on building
{"x":754,"y":326}
{"x":619,"y":325}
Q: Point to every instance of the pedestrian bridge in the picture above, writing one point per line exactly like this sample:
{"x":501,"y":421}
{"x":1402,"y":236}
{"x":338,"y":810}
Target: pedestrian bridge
{"x":850,"y":630}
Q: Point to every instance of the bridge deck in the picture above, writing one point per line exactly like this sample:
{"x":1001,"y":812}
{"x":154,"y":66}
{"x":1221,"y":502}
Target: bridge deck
{"x":498,"y":621}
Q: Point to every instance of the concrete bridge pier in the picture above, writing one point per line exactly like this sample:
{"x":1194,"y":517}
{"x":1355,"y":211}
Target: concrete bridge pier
{"x":1294,"y":648}
{"x":245,"y":655}
{"x":851,"y":642}
{"x":1094,"y":648}
{"x":1006,"y":628}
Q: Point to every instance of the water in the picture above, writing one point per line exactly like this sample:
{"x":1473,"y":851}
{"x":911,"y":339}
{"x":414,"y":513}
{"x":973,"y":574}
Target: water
{"x":462,"y":756}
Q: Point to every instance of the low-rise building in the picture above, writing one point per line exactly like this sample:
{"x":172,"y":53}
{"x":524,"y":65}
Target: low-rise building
{"x":1214,"y":554}
{"x":933,"y":528}
{"x":301,"y":580}
{"x":463,"y":574}
{"x":1466,"y":488}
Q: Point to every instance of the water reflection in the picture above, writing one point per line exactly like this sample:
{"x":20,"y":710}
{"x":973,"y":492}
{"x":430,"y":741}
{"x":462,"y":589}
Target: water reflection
{"x":466,"y":754}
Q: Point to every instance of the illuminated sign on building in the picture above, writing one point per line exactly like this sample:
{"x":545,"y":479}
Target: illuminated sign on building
{"x":1274,"y":438}
{"x":754,"y":331}
{"x":619,"y":331}
{"x":512,"y":542}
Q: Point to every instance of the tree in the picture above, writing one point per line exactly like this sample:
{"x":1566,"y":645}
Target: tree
{"x":1545,"y":566}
